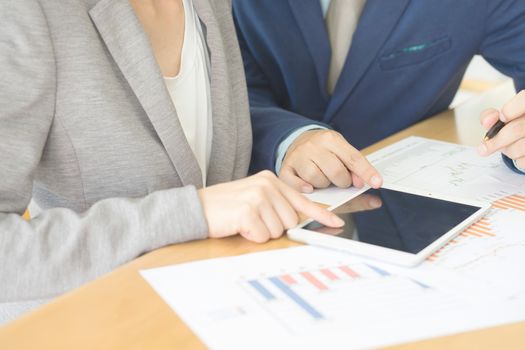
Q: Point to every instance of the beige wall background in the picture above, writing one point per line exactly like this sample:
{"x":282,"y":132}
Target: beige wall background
{"x":479,"y":78}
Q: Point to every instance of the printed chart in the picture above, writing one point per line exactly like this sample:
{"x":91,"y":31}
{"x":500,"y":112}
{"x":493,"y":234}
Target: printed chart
{"x":302,"y":299}
{"x":495,"y":243}
{"x":512,"y":202}
{"x":446,"y":168}
{"x":310,"y":297}
{"x":480,"y":229}
{"x":492,"y":250}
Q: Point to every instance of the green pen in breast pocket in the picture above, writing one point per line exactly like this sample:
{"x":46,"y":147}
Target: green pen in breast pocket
{"x":415,"y":53}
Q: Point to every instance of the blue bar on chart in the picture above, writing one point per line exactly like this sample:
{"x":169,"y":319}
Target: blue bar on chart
{"x":296,"y":298}
{"x":421,"y":284}
{"x":378,"y":270}
{"x":260,"y":288}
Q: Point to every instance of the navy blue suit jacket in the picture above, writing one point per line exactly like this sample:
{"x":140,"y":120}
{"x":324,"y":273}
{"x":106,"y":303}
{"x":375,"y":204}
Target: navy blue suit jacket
{"x":405,"y":64}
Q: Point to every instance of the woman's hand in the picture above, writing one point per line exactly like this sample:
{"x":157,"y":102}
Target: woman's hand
{"x":259,"y":207}
{"x":511,"y":139}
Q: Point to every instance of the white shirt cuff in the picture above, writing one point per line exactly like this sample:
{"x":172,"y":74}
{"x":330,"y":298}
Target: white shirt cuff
{"x":287,"y":142}
{"x":517,"y":166}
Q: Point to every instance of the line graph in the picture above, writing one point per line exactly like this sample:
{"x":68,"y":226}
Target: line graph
{"x":447,"y":169}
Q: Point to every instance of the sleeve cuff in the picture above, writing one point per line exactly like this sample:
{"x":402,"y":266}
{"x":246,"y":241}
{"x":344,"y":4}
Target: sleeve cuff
{"x":178,"y":216}
{"x":513,"y":165}
{"x":287,"y":142}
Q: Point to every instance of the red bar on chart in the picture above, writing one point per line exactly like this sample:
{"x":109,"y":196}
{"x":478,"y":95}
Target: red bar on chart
{"x":472,"y":233}
{"x":483,"y":226}
{"x":484,"y":222}
{"x":516,"y":198}
{"x":288,"y":279}
{"x":349,"y":271}
{"x":511,"y":204}
{"x":314,"y":281}
{"x":332,"y":276}
{"x":481,"y":230}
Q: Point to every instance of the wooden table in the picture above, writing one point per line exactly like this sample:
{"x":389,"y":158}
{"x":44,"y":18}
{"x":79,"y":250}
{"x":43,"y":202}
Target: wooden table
{"x":121,"y":311}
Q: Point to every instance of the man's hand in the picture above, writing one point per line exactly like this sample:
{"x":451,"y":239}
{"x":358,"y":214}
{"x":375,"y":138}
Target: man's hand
{"x":319,"y":158}
{"x":511,"y":139}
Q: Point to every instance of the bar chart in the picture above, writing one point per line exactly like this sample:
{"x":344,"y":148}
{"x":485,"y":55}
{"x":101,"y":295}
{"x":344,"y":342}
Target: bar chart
{"x":307,"y":297}
{"x":512,"y":202}
{"x":491,"y":250}
{"x":506,"y":210}
{"x":301,"y":299}
{"x":481,"y":229}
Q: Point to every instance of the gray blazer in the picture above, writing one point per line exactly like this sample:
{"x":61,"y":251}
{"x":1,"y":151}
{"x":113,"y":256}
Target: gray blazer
{"x":87,"y":129}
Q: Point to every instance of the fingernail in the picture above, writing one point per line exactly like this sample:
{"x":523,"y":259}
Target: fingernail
{"x":375,"y":181}
{"x":307,"y":189}
{"x":485,"y":123}
{"x":482,"y":149}
{"x":502,"y":117}
{"x":337,"y":221}
{"x":375,"y":202}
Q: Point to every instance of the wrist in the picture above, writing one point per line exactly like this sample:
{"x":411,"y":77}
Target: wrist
{"x":284,"y":146}
{"x":301,"y":139}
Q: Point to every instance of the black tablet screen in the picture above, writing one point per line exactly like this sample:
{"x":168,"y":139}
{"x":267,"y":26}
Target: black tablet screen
{"x":396,"y":220}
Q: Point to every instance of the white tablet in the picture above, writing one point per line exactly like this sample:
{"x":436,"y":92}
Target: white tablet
{"x":393,"y":224}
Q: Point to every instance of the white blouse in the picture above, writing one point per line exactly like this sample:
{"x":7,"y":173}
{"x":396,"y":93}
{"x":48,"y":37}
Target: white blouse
{"x":190,"y":90}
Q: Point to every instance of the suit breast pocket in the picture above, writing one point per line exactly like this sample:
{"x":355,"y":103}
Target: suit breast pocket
{"x":416,"y":53}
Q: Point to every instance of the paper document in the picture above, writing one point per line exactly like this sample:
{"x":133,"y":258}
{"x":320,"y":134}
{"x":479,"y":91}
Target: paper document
{"x":309,"y":297}
{"x":442,"y":167}
{"x":332,"y":195}
{"x":491,"y":251}
{"x":446,"y":168}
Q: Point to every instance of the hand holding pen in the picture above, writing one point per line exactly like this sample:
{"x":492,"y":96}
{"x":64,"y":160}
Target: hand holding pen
{"x":506,"y":130}
{"x":493,"y":131}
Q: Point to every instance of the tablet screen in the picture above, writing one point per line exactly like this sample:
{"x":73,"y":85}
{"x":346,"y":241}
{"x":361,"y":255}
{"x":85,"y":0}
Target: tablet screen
{"x":397,"y":220}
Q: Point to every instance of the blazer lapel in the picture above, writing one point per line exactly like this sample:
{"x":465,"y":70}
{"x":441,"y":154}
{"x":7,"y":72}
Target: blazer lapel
{"x":224,"y":139}
{"x":129,"y":45}
{"x":377,"y":21}
{"x":309,"y":17}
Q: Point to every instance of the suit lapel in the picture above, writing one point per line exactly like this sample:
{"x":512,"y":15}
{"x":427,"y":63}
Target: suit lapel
{"x":309,"y":17}
{"x":377,"y":21}
{"x":224,"y":139}
{"x":130,"y":48}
